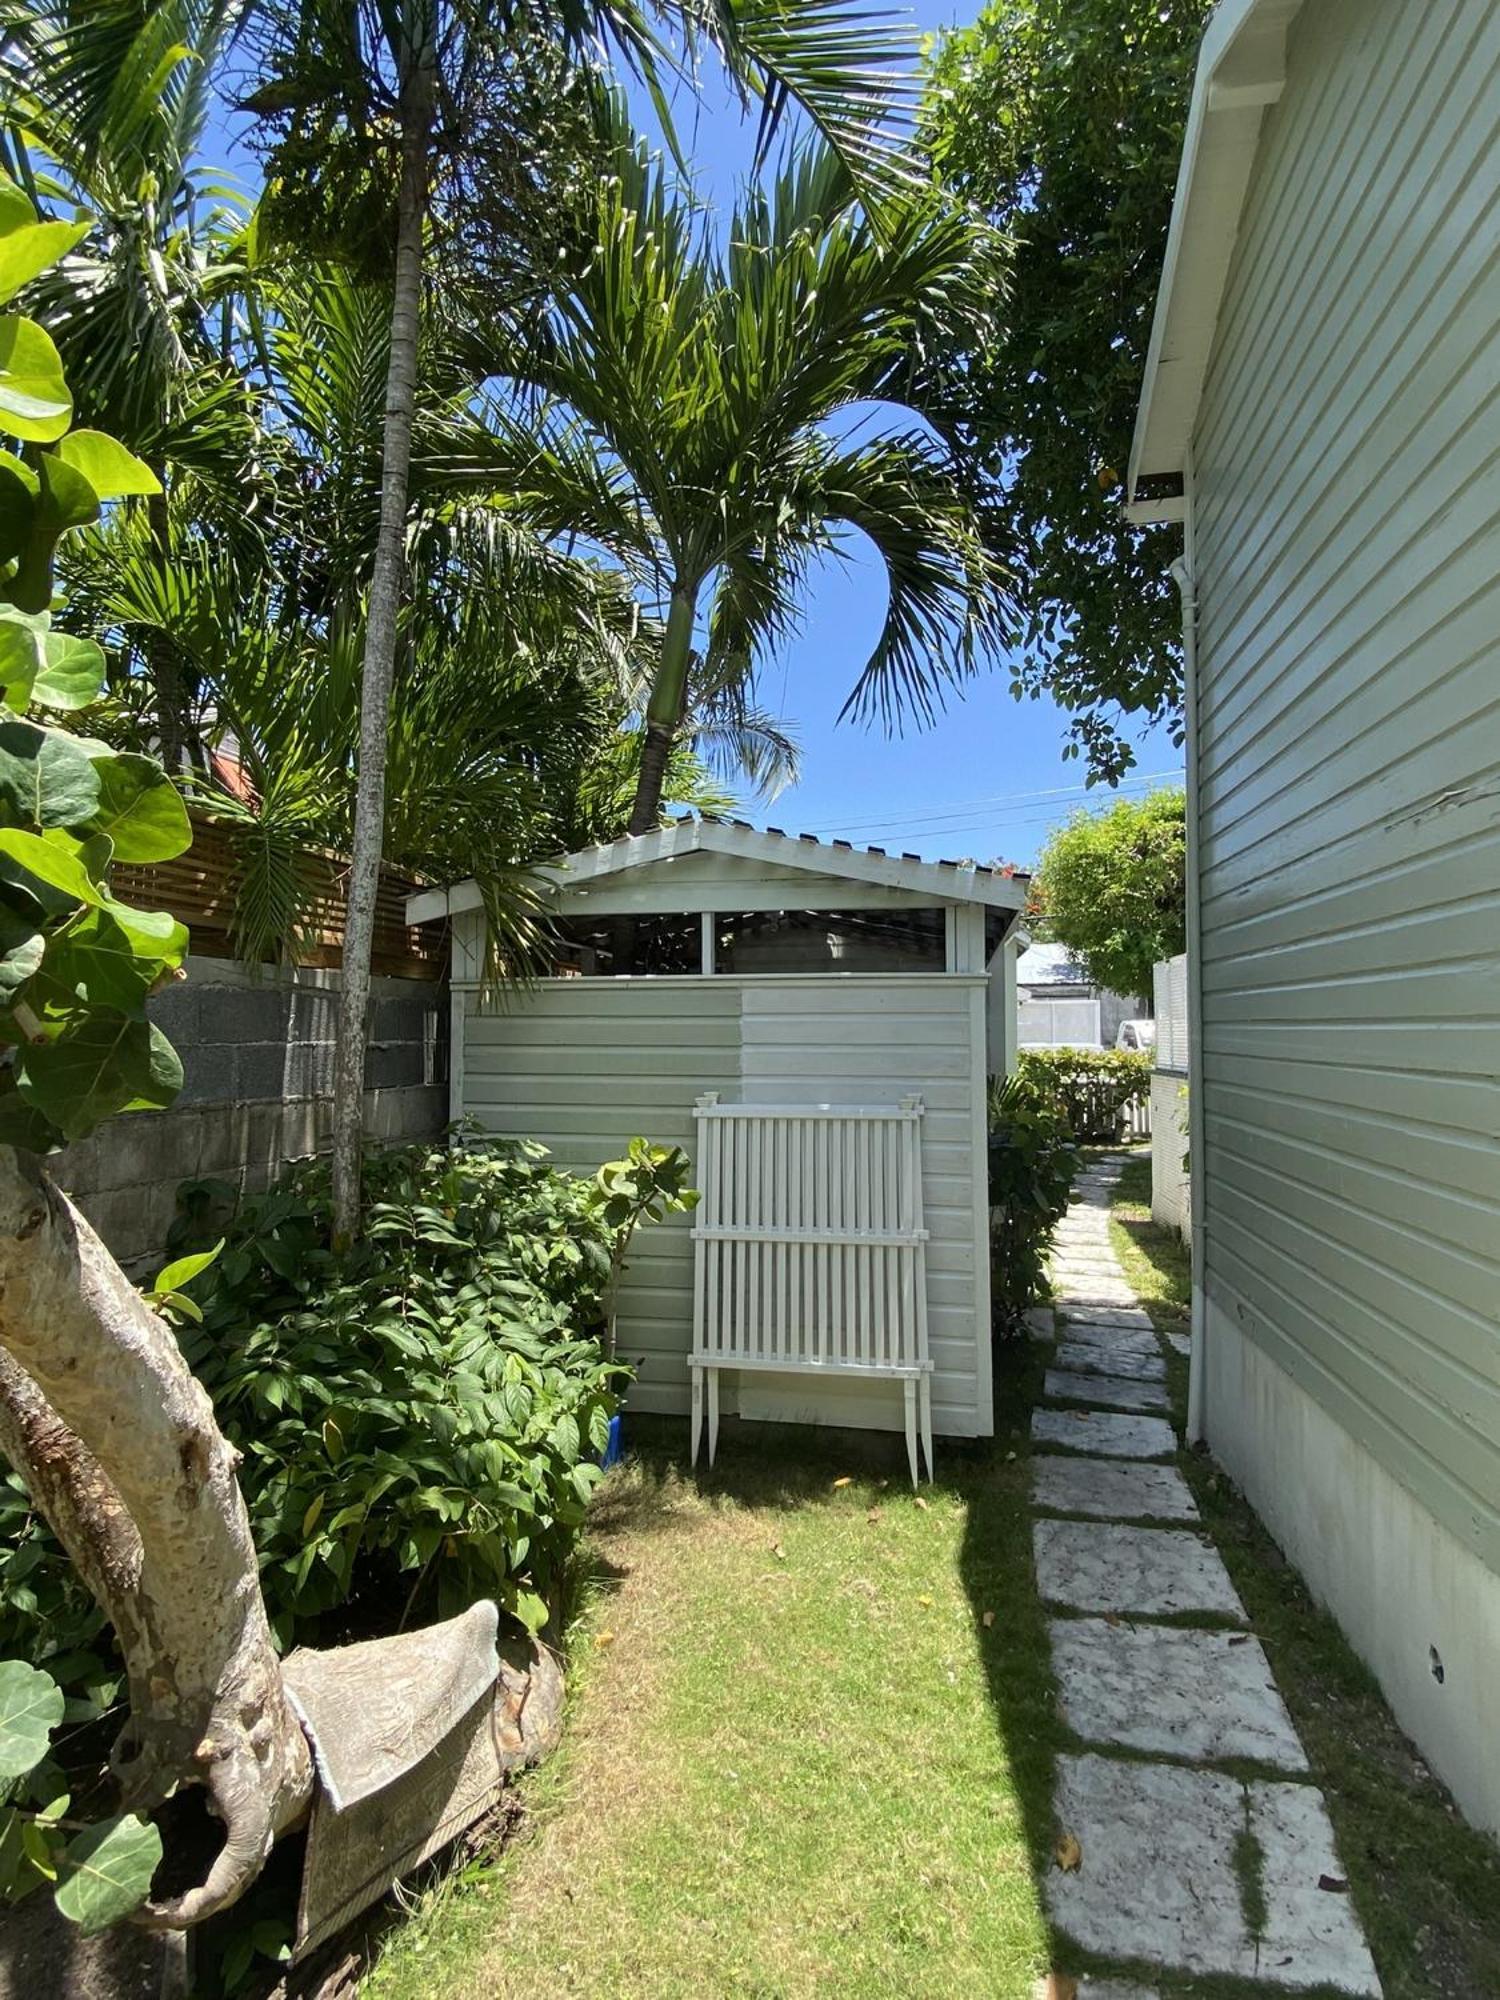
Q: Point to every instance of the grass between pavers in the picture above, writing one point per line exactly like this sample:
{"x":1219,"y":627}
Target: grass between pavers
{"x":785,"y":1771}
{"x":1426,"y":1885}
{"x":786,"y":1775}
{"x":1155,"y":1261}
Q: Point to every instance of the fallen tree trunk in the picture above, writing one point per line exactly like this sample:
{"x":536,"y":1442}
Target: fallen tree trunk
{"x":119,"y":1448}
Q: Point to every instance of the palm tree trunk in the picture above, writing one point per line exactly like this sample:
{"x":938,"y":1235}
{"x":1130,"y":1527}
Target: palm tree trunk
{"x":166,"y":668}
{"x":387,"y":582}
{"x":666,"y":709}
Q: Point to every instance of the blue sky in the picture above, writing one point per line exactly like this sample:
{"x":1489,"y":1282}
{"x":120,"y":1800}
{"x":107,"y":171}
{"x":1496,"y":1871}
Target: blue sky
{"x":988,"y":779}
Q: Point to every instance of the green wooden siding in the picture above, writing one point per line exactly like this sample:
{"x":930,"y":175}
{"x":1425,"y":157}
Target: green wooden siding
{"x":1347,"y":554}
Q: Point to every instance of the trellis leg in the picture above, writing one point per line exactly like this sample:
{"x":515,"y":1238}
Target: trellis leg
{"x":909,"y":1389}
{"x":924,"y":1398}
{"x":697,"y":1414}
{"x":713,"y":1415}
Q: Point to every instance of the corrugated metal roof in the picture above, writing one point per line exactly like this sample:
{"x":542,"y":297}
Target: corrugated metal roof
{"x":1007,"y":869}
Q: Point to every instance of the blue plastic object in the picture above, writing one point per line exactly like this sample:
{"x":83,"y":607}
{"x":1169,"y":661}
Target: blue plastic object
{"x":614,"y":1451}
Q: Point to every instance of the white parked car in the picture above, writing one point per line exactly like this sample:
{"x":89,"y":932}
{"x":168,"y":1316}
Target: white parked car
{"x":1136,"y":1035}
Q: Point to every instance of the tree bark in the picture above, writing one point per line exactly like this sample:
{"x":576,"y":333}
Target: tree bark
{"x":166,"y":668}
{"x":120,"y":1449}
{"x":378,"y":668}
{"x":656,"y":754}
{"x":666,"y":709}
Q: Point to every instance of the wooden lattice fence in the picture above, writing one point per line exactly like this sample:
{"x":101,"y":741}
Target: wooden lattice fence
{"x":199,"y":889}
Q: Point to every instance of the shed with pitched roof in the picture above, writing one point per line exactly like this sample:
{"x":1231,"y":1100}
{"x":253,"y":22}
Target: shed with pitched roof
{"x":791,"y":980}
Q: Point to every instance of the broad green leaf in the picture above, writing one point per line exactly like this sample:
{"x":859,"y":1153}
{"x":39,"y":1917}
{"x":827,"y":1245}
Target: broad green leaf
{"x":45,"y":778}
{"x":17,"y":506}
{"x":96,"y":961}
{"x":72,"y":673}
{"x":21,"y":1124}
{"x":529,"y":1608}
{"x":17,"y":1876}
{"x":140,"y":809}
{"x":33,"y":248}
{"x":183,"y":1270}
{"x":21,"y":948}
{"x":34,"y":401}
{"x":17,"y":209}
{"x":31,"y":1706}
{"x":180,"y":1302}
{"x":106,"y":1872}
{"x":21,"y":653}
{"x":56,"y":862}
{"x":106,"y":1064}
{"x":67,"y":499}
{"x":111,"y":470}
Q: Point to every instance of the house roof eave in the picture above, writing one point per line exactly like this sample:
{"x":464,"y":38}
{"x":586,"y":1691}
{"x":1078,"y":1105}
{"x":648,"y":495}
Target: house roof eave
{"x":1241,"y":71}
{"x":944,"y":881}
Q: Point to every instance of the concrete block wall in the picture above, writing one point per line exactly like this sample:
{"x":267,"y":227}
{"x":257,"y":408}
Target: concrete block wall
{"x":257,"y":1053}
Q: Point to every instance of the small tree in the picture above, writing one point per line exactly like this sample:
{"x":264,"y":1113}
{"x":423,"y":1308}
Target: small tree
{"x":99,"y":1413}
{"x":1062,"y":120}
{"x":1112,"y":887}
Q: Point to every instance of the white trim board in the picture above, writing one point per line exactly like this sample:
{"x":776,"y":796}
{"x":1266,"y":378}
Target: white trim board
{"x":931,"y":881}
{"x":1241,"y":70}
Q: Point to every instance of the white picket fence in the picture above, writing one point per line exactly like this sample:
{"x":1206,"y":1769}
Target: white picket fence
{"x":810,"y":1251}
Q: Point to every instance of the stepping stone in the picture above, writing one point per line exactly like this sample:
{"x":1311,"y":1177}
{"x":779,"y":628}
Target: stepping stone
{"x":1112,"y":1392}
{"x":1041,"y":1323}
{"x":1112,"y":1339}
{"x":1093,"y":1295}
{"x":1101,"y":1358}
{"x":1151,"y":1572}
{"x":1183,"y":1342}
{"x":1202,"y":1696}
{"x":1117,"y":1316}
{"x":1117,"y":1490}
{"x":1158,"y":1880}
{"x":1105,"y":1434}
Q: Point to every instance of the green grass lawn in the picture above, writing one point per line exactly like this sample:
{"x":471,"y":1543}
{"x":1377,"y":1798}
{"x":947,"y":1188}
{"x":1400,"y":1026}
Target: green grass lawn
{"x":801,"y":1761}
{"x":785,"y":1771}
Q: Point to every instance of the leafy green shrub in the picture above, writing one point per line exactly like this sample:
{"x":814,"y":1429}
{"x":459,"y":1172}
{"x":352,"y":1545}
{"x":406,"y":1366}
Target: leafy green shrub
{"x":427,"y":1410}
{"x":1032,"y":1162}
{"x":97,"y":1873}
{"x":1089,"y":1088}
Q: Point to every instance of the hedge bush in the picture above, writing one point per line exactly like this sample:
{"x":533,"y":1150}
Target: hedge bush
{"x":420,"y":1420}
{"x":1089,"y":1088}
{"x":1032,"y":1162}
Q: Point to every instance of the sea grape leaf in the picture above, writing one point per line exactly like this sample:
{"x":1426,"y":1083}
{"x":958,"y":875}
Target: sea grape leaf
{"x":111,"y":470}
{"x":34,"y":247}
{"x":45,"y":778}
{"x":31,"y":1706}
{"x":35,"y":403}
{"x":106,"y":1871}
{"x":71,"y":675}
{"x":104,"y":1064}
{"x":140,"y":809}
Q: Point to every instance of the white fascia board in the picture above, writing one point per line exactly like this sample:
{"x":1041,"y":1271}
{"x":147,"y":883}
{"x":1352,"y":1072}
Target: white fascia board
{"x":1241,"y":70}
{"x":934,"y":880}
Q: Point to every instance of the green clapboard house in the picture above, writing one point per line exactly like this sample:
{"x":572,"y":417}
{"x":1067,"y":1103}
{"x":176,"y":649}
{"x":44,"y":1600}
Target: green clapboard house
{"x":1321,"y":410}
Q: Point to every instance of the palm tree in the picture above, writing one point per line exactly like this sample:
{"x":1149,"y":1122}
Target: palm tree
{"x":520,"y":667}
{"x":692,"y":409}
{"x":105,"y":105}
{"x":346,"y":75}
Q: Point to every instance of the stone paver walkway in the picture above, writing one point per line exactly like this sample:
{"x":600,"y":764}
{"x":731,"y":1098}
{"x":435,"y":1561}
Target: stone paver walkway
{"x":1185,"y":1865}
